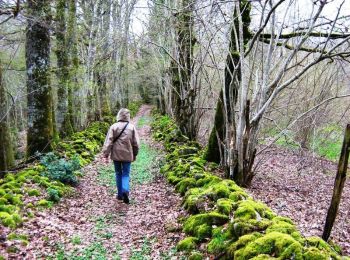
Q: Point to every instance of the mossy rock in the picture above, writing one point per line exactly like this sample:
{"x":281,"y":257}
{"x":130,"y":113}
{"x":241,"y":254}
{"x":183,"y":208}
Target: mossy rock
{"x":173,"y":178}
{"x":224,"y":206}
{"x":8,"y":208}
{"x":218,"y":243}
{"x":200,"y":225}
{"x":10,"y":220}
{"x":313,"y":253}
{"x":187,"y":244}
{"x":34,"y":192}
{"x":14,"y":199}
{"x":286,"y":226}
{"x":322,"y":246}
{"x":184,"y":185}
{"x":241,"y":227}
{"x":195,"y":256}
{"x":250,"y":209}
{"x":207,"y":180}
{"x":275,"y":244}
{"x":238,"y":195}
{"x":44,"y":203}
{"x":242,"y":242}
{"x":9,"y":177}
{"x":3,"y":201}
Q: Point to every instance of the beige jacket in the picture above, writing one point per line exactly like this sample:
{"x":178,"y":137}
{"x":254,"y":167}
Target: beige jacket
{"x":126,"y":148}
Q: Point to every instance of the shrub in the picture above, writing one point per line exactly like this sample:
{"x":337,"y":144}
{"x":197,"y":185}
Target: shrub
{"x":60,"y":169}
{"x":53,"y":195}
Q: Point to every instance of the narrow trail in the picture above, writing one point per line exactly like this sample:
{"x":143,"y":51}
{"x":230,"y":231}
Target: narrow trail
{"x":92,"y":223}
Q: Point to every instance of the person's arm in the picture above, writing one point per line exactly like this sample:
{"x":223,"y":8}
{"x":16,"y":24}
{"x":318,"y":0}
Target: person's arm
{"x":135,"y":143}
{"x":108,"y":144}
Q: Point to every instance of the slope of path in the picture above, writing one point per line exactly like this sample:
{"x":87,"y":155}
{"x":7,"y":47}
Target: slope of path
{"x":98,"y":221}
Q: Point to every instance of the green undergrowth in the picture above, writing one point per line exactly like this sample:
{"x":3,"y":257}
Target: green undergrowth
{"x":143,"y":169}
{"x":41,"y":185}
{"x":134,"y":107}
{"x":225,"y":222}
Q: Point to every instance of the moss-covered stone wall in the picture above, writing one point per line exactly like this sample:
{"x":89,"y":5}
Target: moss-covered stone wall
{"x":225,"y":222}
{"x":24,"y":192}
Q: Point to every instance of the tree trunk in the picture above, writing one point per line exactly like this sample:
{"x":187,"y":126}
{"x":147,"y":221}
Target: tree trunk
{"x":184,"y":92}
{"x":39,"y":97}
{"x":72,"y":49}
{"x":63,"y":115}
{"x":338,"y":184}
{"x":215,"y":150}
{"x":6,"y":148}
{"x":231,"y":157}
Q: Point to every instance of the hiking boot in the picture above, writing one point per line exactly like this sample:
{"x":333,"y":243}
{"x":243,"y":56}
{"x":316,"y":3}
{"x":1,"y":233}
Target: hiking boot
{"x":119,"y":197}
{"x":126,"y":198}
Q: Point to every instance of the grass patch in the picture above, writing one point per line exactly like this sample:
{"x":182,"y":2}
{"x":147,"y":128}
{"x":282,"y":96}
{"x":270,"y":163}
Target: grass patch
{"x":144,"y":120}
{"x":142,"y":170}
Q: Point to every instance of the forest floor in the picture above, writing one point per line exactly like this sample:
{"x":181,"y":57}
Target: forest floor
{"x":93,"y":224}
{"x":299,"y":185}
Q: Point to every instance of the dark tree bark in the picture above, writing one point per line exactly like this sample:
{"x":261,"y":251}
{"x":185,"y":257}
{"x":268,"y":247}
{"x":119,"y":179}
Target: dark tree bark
{"x":6,"y":148}
{"x":39,"y":97}
{"x":338,"y":185}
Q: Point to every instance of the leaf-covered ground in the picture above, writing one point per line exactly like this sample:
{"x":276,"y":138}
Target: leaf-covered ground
{"x":299,"y":186}
{"x":93,"y":224}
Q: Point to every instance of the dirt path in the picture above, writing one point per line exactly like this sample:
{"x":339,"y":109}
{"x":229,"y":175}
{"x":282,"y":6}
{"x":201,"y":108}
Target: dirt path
{"x":94,"y":224}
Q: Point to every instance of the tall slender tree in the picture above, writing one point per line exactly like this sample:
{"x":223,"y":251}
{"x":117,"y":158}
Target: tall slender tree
{"x":6,"y":148}
{"x":184,"y":92}
{"x":39,"y":94}
{"x":224,"y":125}
{"x":64,"y":120}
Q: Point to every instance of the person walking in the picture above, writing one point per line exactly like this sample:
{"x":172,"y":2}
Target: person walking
{"x":122,"y":146}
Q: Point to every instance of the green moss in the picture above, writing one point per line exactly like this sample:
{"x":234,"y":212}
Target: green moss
{"x":250,"y":209}
{"x":314,"y":253}
{"x":218,"y":244}
{"x":241,"y":227}
{"x":34,"y":192}
{"x":274,"y":244}
{"x":242,"y":242}
{"x":321,"y":245}
{"x":9,"y":177}
{"x":284,"y":225}
{"x":3,"y":201}
{"x":10,"y":220}
{"x":195,"y":256}
{"x":184,"y":185}
{"x":238,"y":195}
{"x":224,"y":206}
{"x":187,"y":244}
{"x":208,"y":180}
{"x":44,"y":203}
{"x":200,"y":225}
{"x":8,"y":208}
{"x":2,"y":192}
{"x":14,"y":236}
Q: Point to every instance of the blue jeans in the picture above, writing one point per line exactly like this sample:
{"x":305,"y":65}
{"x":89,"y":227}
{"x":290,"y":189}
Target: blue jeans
{"x":122,"y":172}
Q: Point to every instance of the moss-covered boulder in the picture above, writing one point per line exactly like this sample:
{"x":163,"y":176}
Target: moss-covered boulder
{"x":187,"y":244}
